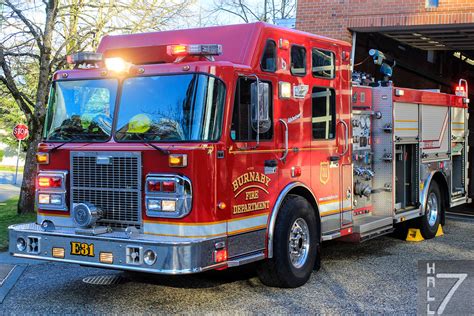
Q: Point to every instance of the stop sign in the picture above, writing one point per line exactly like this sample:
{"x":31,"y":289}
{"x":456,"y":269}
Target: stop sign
{"x":20,"y":131}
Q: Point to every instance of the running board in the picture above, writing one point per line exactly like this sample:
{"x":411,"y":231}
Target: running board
{"x":235,"y":262}
{"x":370,"y":227}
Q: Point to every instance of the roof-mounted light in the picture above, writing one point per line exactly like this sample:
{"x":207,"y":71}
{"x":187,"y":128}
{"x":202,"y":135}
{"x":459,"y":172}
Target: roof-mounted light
{"x":194,"y":50}
{"x":85,"y":59}
{"x":117,"y":64}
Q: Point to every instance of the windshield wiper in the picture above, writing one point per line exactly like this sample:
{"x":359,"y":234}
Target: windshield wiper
{"x":73,"y":139}
{"x":161,"y":150}
{"x":60,"y":145}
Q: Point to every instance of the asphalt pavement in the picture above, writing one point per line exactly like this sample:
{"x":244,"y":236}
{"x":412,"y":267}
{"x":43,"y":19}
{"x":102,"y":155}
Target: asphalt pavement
{"x":378,"y":276}
{"x":8,"y":189}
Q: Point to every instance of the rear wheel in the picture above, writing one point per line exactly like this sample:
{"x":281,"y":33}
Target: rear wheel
{"x":295,"y":245}
{"x":433,"y":211}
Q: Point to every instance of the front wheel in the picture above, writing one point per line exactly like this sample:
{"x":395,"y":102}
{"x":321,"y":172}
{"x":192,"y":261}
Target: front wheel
{"x":295,"y":245}
{"x":433,"y":209}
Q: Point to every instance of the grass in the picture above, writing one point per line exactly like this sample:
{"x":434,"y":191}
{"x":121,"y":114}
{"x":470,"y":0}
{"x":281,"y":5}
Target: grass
{"x":8,"y":216}
{"x":11,"y":168}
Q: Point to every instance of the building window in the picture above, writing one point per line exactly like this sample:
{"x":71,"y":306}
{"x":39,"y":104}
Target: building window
{"x":431,"y":3}
{"x":269,"y":58}
{"x":298,"y":60}
{"x":323,"y":63}
{"x":324,"y":113}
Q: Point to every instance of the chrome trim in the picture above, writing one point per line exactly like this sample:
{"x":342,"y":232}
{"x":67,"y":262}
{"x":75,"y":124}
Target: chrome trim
{"x":285,"y":153}
{"x":173,"y":255}
{"x":426,"y":187}
{"x":276,"y":208}
{"x":130,"y":268}
{"x":61,"y":190}
{"x":184,"y":200}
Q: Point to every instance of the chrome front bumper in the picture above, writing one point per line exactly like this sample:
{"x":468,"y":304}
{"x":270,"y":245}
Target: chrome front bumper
{"x":174,"y":255}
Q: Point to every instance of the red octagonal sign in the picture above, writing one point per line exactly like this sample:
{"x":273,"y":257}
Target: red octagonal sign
{"x":20,"y":131}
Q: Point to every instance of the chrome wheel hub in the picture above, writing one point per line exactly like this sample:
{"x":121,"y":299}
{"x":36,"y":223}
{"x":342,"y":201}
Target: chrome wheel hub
{"x":432,"y":209}
{"x":299,"y":243}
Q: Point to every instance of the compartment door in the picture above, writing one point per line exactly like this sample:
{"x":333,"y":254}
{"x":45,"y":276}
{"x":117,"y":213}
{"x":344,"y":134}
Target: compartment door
{"x":434,"y":132}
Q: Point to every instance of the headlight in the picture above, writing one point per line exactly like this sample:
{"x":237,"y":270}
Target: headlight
{"x":168,"y":196}
{"x":51,"y":190}
{"x":149,"y":257}
{"x":20,"y":244}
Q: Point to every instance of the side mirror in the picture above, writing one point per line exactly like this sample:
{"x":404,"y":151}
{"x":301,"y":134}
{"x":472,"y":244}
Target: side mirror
{"x":260,"y":106}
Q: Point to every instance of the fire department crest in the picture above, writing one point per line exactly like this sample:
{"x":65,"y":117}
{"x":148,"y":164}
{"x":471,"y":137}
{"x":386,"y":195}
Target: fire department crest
{"x":324,"y":172}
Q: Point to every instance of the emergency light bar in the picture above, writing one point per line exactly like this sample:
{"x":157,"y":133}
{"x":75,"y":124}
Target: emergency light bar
{"x":84,"y":58}
{"x":194,"y":50}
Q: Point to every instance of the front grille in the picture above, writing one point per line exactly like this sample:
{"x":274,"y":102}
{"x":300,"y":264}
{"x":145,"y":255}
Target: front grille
{"x":110,"y":181}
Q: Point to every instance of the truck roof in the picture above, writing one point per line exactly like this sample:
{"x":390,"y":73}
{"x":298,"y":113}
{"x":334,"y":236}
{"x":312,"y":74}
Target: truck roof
{"x":239,"y":42}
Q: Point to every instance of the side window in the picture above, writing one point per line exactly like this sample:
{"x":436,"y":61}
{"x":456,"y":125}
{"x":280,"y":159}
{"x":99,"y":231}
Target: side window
{"x":324,"y":113}
{"x":269,"y":58}
{"x":242,"y":127}
{"x":323,"y":63}
{"x":298,"y":60}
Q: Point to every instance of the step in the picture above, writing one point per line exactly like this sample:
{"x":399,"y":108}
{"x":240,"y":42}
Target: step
{"x":368,"y":224}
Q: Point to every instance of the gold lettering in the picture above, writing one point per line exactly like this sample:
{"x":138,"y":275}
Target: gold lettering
{"x":250,"y":207}
{"x":252,"y":195}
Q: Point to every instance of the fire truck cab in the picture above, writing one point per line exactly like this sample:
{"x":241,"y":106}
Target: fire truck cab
{"x":183,"y":151}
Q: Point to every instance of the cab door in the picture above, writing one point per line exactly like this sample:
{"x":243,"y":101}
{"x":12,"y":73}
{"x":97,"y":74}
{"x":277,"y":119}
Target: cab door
{"x":325,"y":157}
{"x":330,"y":159}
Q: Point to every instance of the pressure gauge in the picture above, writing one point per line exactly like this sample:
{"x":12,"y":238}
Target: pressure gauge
{"x":367,"y":122}
{"x":362,"y":123}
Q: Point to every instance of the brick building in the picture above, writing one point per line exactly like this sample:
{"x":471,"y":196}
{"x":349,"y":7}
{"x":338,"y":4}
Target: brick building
{"x":432,"y":41}
{"x":334,"y":18}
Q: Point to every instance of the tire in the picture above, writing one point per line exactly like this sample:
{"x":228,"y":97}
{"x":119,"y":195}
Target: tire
{"x":296,"y":223}
{"x":429,"y":222}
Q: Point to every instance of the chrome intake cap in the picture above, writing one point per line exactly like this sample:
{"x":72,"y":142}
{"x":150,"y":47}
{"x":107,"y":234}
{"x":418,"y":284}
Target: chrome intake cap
{"x":86,"y":214}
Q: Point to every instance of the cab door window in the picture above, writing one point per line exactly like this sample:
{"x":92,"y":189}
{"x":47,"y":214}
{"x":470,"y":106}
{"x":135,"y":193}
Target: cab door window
{"x":243,"y":127}
{"x":324,"y":113}
{"x":269,"y":58}
{"x":298,"y":60}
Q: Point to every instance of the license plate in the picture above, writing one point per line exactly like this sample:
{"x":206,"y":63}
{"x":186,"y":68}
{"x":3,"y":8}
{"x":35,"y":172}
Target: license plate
{"x":82,"y":249}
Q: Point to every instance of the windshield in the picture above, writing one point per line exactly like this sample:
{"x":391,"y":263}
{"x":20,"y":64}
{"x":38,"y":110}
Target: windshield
{"x":171,"y":108}
{"x":81,"y":110}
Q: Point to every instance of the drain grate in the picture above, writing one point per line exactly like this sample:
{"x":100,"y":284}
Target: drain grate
{"x":104,"y":279}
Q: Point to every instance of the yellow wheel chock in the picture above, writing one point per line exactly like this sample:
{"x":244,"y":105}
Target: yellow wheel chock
{"x":439,"y":232}
{"x":414,"y":234}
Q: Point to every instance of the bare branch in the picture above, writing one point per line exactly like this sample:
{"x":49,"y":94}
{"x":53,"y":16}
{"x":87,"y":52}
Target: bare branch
{"x":27,"y":22}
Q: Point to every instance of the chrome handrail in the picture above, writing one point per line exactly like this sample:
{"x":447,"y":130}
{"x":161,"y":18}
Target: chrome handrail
{"x":286,"y":139}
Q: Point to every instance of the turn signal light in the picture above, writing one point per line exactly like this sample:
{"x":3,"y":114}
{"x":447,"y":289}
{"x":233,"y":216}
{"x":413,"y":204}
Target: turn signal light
{"x":178,"y":160}
{"x":284,"y":44}
{"x":42,"y":158}
{"x":106,"y":257}
{"x":220,"y":255}
{"x":58,"y":252}
{"x":49,"y":182}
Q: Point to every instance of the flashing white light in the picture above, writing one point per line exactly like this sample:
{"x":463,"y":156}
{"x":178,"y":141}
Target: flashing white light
{"x":117,"y":64}
{"x":284,"y":90}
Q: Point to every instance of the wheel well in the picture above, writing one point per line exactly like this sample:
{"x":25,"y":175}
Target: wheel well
{"x":305,"y":193}
{"x":440,"y":180}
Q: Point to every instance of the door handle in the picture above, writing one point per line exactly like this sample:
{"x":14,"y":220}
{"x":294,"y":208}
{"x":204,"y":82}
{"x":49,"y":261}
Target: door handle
{"x":334,"y":158}
{"x":346,"y":137}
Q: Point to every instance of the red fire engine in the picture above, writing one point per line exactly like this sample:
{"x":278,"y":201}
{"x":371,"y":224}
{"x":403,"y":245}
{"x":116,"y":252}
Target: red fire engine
{"x":184,"y":151}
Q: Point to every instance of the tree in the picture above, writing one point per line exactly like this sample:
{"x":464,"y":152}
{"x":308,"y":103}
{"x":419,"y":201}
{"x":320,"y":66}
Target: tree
{"x":251,"y":11}
{"x":38,"y":35}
